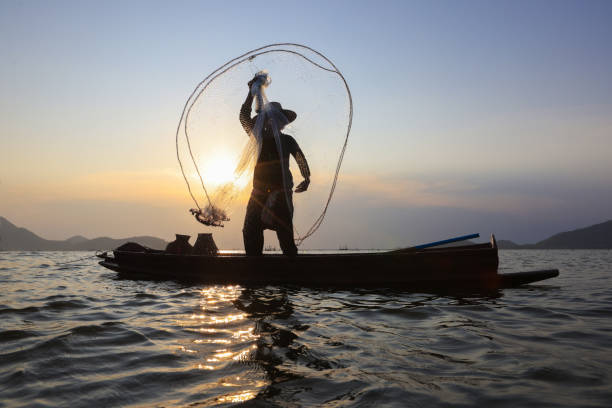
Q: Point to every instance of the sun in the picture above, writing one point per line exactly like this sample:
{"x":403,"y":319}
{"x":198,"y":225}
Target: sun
{"x":220,"y":170}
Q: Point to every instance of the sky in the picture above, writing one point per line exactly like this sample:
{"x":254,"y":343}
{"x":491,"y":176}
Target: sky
{"x":472,"y":116}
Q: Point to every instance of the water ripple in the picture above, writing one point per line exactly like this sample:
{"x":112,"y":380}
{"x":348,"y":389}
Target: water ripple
{"x":78,"y":336}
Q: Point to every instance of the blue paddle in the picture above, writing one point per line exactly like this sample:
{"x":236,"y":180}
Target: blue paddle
{"x":437,"y":243}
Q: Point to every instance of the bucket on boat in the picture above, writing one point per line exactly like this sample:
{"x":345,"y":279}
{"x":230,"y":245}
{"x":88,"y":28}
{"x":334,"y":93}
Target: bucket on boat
{"x":180,"y":246}
{"x":205,"y":245}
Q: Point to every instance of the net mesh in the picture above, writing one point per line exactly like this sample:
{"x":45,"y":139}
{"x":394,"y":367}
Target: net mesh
{"x":217,"y":156}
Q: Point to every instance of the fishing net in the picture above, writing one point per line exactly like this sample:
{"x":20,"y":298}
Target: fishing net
{"x":217,"y":154}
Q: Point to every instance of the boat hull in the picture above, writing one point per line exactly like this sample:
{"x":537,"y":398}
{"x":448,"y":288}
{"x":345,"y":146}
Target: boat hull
{"x":473,"y":266}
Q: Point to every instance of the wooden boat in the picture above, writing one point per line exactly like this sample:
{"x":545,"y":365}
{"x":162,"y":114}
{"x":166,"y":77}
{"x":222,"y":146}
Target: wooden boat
{"x":469,"y":266}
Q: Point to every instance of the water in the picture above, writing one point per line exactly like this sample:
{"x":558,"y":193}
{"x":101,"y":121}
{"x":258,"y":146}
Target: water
{"x":75,"y":335}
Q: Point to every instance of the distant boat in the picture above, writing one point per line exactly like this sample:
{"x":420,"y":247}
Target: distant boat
{"x":470,"y":266}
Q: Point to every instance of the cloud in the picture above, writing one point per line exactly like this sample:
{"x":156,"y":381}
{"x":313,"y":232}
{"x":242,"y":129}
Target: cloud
{"x":368,"y":210}
{"x":442,"y":191}
{"x":137,"y":187}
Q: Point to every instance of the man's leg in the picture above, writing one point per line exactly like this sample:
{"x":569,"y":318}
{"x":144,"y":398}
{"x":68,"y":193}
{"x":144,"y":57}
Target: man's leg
{"x":285,"y":239}
{"x":252,"y":231}
{"x":284,"y":230}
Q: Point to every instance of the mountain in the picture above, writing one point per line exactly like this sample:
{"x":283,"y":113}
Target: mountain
{"x":598,"y":236}
{"x":506,"y":244}
{"x":77,"y":239}
{"x":13,"y":238}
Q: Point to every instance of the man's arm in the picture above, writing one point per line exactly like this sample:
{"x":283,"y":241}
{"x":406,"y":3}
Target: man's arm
{"x":245,"y":113}
{"x":303,"y":166}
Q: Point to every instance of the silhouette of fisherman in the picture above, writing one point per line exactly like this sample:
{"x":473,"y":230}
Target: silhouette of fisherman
{"x":271,"y":203}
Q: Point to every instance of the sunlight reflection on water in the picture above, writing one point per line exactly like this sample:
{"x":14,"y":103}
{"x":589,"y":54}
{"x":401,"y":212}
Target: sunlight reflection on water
{"x":216,"y":323}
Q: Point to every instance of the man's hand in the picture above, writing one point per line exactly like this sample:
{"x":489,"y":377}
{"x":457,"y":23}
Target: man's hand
{"x":303,"y":186}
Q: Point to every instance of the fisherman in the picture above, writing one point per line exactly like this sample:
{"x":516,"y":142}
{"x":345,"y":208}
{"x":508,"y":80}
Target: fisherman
{"x":271,"y":203}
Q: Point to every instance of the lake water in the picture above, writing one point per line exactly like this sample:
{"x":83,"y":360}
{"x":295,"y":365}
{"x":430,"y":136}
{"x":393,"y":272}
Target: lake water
{"x":76,"y":335}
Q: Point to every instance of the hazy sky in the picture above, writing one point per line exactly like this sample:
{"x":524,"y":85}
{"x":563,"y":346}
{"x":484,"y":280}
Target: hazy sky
{"x":471,"y":116}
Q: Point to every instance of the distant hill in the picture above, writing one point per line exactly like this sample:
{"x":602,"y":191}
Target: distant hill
{"x":13,"y":238}
{"x":598,"y":236}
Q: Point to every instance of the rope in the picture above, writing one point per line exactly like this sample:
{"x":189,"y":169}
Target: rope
{"x":249,"y":56}
{"x":77,"y":260}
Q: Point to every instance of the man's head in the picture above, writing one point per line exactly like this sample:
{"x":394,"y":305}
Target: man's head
{"x":289,"y":114}
{"x":275,"y":115}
